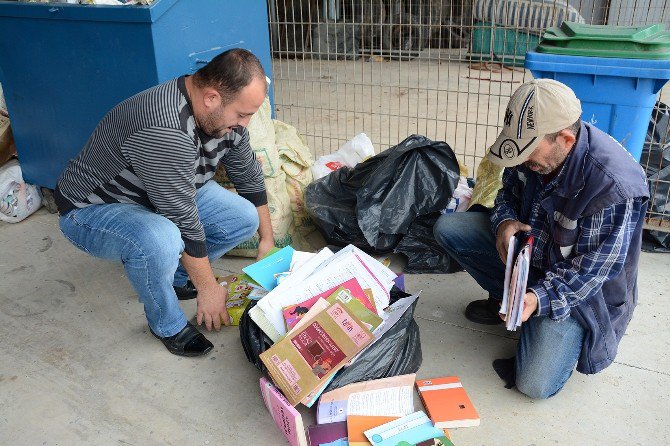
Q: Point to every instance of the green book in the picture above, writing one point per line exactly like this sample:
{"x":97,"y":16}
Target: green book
{"x":357,"y":308}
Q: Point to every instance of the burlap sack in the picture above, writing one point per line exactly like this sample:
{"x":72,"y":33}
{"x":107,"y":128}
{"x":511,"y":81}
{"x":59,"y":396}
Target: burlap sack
{"x":296,"y":161}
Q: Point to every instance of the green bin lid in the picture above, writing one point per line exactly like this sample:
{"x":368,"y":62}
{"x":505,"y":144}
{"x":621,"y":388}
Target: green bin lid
{"x":626,"y":42}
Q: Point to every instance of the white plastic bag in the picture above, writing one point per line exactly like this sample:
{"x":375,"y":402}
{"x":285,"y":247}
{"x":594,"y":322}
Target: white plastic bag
{"x":351,"y":153}
{"x":17,"y":198}
{"x":461,"y":198}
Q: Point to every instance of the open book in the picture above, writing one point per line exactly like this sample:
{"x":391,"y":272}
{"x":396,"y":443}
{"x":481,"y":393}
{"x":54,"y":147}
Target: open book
{"x":516,"y":279}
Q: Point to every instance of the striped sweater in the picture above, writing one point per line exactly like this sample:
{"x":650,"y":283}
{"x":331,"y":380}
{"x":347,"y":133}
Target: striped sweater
{"x":148,"y":151}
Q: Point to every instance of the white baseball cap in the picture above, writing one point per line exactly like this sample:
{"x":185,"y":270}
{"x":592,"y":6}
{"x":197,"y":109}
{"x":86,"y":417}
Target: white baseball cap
{"x":537,"y":108}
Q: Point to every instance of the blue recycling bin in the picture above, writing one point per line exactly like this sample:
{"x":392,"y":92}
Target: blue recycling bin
{"x":617,"y":95}
{"x":63,"y":67}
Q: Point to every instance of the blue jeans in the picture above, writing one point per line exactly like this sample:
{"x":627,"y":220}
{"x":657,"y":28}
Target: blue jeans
{"x":548,"y":350}
{"x":149,"y":245}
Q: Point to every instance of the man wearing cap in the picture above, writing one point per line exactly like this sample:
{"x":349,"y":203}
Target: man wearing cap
{"x":583,"y":198}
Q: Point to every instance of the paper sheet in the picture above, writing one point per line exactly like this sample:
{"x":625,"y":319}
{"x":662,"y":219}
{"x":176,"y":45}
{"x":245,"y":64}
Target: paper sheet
{"x":333,"y":405}
{"x":516,"y":279}
{"x":346,"y":267}
{"x":394,"y":401}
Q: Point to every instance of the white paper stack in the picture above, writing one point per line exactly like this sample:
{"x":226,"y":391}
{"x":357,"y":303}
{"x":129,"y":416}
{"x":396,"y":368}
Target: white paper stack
{"x":317,"y":274}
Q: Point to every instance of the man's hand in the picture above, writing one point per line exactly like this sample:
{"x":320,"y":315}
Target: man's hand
{"x":529,"y":305}
{"x":264,"y":246}
{"x":507,"y":229}
{"x":212,"y":307}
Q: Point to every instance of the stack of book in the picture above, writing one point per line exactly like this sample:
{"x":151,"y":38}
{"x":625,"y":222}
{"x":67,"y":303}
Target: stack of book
{"x":311,"y":276}
{"x":322,"y":311}
{"x":378,"y":412}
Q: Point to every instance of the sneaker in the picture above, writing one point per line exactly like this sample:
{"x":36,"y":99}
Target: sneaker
{"x":484,"y":311}
{"x":188,"y":342}
{"x":186,"y":292}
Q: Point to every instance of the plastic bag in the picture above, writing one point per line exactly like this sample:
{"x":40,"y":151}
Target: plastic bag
{"x":461,"y":198}
{"x":373,"y":205}
{"x":424,"y":254}
{"x":656,"y":159}
{"x":489,"y":182}
{"x":17,"y":199}
{"x":354,"y":151}
{"x":397,"y":352}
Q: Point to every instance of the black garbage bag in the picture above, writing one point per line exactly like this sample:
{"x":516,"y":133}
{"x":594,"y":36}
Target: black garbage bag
{"x":254,"y":340}
{"x":424,"y":254}
{"x":656,"y":160}
{"x":373,"y":205}
{"x":397,"y":352}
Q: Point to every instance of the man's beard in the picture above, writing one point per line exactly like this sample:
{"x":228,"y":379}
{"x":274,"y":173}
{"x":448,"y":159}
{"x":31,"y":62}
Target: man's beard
{"x":208,"y":126}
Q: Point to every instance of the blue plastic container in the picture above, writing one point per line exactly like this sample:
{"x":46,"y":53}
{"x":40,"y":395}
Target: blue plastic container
{"x":63,"y":67}
{"x":617,"y":95}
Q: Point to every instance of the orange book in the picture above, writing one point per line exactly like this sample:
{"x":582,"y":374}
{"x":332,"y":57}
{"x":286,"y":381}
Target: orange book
{"x":358,"y":424}
{"x":446,"y":402}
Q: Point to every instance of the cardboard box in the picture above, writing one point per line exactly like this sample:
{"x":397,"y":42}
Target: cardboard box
{"x":7,"y":147}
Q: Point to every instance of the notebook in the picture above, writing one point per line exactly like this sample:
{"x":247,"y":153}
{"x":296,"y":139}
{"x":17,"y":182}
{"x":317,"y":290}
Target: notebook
{"x":447,"y":403}
{"x":412,"y":429}
{"x":287,"y":419}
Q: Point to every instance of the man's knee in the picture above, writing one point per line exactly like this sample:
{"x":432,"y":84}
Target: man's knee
{"x":162,"y":245}
{"x":537,"y":387}
{"x":249,"y":217}
{"x":244,"y":225}
{"x":452,"y":229}
{"x":443,"y":230}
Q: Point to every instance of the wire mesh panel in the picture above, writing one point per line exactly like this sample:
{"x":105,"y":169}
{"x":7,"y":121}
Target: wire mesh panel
{"x":441,"y":68}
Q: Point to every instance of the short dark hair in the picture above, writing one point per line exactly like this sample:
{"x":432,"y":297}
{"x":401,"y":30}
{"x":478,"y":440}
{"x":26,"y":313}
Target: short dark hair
{"x":574,"y":128}
{"x":229,"y":73}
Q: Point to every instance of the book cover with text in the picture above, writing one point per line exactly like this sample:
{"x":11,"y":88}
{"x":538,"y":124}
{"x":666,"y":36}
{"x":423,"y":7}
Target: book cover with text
{"x":301,"y":361}
{"x":293,"y":313}
{"x":409,"y":430}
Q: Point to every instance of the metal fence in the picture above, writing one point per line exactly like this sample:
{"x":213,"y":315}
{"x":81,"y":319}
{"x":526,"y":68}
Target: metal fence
{"x":441,"y":68}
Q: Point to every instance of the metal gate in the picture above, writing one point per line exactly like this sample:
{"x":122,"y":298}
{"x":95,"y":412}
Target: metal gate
{"x":440,"y":68}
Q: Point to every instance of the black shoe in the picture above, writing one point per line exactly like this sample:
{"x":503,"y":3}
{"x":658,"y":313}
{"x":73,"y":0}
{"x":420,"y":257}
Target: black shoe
{"x":484,"y":311}
{"x":186,"y":292}
{"x":188,"y":342}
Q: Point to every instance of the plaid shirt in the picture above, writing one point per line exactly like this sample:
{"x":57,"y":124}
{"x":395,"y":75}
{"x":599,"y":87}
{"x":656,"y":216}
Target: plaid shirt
{"x":597,"y":257}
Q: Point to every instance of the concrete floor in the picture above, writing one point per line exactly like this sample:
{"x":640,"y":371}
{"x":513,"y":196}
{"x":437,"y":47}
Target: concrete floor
{"x":79,"y":366}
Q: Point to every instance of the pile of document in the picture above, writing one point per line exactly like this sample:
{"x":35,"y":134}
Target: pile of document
{"x":516,"y":279}
{"x":379,"y":412}
{"x":321,"y":311}
{"x":306,"y":275}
